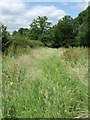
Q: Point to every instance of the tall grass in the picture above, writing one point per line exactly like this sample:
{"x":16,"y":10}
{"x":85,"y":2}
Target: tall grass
{"x":46,"y":83}
{"x":0,"y":83}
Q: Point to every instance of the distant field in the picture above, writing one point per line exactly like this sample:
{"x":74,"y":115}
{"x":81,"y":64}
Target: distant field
{"x":46,"y":83}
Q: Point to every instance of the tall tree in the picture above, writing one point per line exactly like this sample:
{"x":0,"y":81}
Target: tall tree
{"x":39,"y":26}
{"x":83,"y":28}
{"x":5,"y":37}
{"x":23,"y":32}
{"x":64,"y":32}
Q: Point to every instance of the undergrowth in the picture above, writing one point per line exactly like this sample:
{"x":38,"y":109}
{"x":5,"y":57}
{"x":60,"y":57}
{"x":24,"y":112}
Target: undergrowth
{"x":46,"y":83}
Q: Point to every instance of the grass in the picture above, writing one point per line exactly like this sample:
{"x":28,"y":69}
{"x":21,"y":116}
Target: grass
{"x":0,"y":82}
{"x":46,"y":83}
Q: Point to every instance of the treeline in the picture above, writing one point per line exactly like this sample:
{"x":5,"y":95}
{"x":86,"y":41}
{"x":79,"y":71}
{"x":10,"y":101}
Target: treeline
{"x":67,"y":32}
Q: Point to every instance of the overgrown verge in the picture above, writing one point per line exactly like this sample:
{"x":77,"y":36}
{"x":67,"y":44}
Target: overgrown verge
{"x":43,"y":84}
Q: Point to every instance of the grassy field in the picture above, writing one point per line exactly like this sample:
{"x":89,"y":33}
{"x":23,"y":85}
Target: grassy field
{"x":46,"y":83}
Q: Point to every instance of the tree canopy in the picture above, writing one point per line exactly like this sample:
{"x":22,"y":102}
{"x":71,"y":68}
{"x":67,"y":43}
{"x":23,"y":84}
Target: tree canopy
{"x":67,"y":32}
{"x":38,"y":27}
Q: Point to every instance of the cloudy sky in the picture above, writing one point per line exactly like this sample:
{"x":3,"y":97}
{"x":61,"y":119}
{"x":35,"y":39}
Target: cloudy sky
{"x":20,"y":13}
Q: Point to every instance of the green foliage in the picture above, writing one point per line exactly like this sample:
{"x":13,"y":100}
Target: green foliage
{"x":44,"y":84}
{"x":88,"y":18}
{"x":24,"y":32}
{"x":0,"y":37}
{"x":5,"y":37}
{"x":67,"y":32}
{"x":82,"y":37}
{"x":64,"y":32}
{"x":20,"y":44}
{"x":83,"y":28}
{"x":38,"y":27}
{"x":47,"y":39}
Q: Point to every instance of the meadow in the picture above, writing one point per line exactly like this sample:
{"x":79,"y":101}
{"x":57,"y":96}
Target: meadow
{"x":45,"y":83}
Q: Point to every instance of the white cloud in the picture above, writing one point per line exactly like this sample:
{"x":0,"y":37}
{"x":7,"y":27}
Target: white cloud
{"x":87,"y":1}
{"x":12,"y":8}
{"x":17,"y":14}
{"x":80,"y":5}
{"x":50,"y":11}
{"x":44,"y":1}
{"x":12,"y":14}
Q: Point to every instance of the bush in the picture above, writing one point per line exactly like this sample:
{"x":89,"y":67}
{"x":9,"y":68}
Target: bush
{"x":47,"y":39}
{"x":20,"y":45}
{"x":34,"y":43}
{"x":70,"y":55}
{"x":4,"y":38}
{"x":22,"y":41}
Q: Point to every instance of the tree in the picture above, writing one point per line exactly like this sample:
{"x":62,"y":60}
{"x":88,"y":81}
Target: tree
{"x":81,"y":39}
{"x":38,"y":27}
{"x":0,"y":37}
{"x":64,"y":32}
{"x":47,"y":39}
{"x":83,"y":29}
{"x":23,"y":32}
{"x":14,"y":33}
{"x":88,"y":21}
{"x":5,"y":37}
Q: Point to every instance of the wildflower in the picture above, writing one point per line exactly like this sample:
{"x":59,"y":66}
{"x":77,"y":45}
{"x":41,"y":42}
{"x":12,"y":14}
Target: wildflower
{"x":11,"y":83}
{"x":46,"y":95}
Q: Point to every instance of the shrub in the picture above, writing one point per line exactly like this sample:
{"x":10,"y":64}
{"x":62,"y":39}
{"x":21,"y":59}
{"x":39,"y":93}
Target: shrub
{"x":22,"y":41}
{"x":34,"y":43}
{"x":70,"y":55}
{"x":47,"y":39}
{"x":20,"y":45}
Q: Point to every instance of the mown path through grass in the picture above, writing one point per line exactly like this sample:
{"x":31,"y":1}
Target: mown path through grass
{"x":44,"y":84}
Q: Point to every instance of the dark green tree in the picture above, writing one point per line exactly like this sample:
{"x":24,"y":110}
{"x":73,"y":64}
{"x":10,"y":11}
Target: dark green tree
{"x":82,"y":36}
{"x":83,"y":28}
{"x":23,"y":32}
{"x":64,"y":32}
{"x":38,"y":27}
{"x":14,"y":33}
{"x":5,"y":37}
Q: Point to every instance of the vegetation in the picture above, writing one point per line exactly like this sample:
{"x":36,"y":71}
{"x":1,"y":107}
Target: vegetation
{"x":44,"y":69}
{"x":46,"y":83}
{"x":67,"y":32}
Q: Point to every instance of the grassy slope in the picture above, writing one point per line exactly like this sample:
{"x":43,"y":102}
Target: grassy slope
{"x":46,"y":83}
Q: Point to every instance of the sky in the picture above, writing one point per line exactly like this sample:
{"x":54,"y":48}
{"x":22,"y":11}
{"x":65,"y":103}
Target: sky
{"x":20,"y":13}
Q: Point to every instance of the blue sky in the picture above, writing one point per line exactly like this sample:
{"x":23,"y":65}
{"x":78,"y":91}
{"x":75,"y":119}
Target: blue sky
{"x":16,"y":14}
{"x":71,"y":8}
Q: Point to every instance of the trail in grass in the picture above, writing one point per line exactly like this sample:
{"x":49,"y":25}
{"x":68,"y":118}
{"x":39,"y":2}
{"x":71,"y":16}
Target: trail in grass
{"x":40,"y":85}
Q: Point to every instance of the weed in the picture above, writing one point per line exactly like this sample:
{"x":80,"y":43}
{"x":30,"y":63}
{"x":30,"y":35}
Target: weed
{"x":46,"y":83}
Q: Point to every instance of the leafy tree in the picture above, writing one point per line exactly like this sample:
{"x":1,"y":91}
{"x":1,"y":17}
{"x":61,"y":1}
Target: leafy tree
{"x":0,"y":37}
{"x":23,"y":32}
{"x":38,"y":27}
{"x":47,"y":39}
{"x":88,"y":24}
{"x":14,"y":33}
{"x":83,"y":29}
{"x":81,"y":39}
{"x":67,"y":32}
{"x":64,"y":32}
{"x":5,"y":37}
